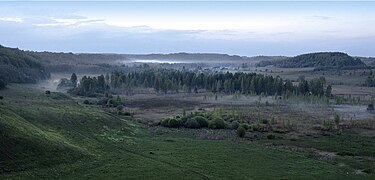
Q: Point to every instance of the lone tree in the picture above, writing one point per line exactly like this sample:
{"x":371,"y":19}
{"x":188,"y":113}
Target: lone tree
{"x":73,"y":79}
{"x":328,"y":91}
{"x":337,"y":119}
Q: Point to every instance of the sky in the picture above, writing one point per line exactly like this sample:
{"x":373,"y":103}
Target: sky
{"x":241,"y":28}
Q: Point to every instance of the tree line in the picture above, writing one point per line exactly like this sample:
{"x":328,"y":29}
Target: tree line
{"x":175,"y":81}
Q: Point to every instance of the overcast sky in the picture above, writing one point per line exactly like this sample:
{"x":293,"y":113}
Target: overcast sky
{"x":243,"y":28}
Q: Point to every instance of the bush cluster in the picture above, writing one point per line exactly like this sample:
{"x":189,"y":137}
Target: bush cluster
{"x":196,"y":120}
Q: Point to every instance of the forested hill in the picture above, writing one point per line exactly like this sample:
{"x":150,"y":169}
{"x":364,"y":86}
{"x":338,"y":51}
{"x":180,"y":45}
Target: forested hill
{"x":59,"y":58}
{"x":17,"y":66}
{"x":321,"y":59}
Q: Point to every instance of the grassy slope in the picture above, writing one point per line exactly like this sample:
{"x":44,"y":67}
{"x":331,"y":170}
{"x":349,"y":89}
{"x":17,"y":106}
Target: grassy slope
{"x":49,"y":136}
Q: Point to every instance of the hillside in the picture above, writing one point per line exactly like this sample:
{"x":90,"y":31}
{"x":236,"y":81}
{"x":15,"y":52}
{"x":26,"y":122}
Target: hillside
{"x":18,"y":67}
{"x":321,"y":59}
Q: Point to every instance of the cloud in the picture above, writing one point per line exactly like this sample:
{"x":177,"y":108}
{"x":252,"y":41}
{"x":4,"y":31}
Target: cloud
{"x":322,"y":17}
{"x":109,"y":27}
{"x":11,"y":19}
{"x":69,"y":22}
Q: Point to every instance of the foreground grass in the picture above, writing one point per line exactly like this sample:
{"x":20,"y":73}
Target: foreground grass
{"x":51,"y":136}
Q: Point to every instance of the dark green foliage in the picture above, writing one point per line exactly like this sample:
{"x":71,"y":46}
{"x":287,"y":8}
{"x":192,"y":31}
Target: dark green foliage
{"x":18,"y":67}
{"x":173,"y":81}
{"x":234,"y":125}
{"x":313,"y":87}
{"x":192,"y":123}
{"x":370,"y":81}
{"x":120,"y":107}
{"x":196,"y":120}
{"x":171,"y":122}
{"x":271,"y":136}
{"x":217,"y":123}
{"x":73,"y":80}
{"x":90,"y":87}
{"x":337,"y":119}
{"x":201,"y":120}
{"x":86,"y":101}
{"x":240,"y":131}
{"x":327,"y":124}
{"x":125,"y":113}
{"x":328,"y":91}
{"x":216,"y":119}
{"x":174,"y":122}
{"x":321,"y":59}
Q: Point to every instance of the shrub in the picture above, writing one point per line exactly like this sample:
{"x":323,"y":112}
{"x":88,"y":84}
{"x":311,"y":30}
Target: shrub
{"x":241,"y":131}
{"x":170,"y":122}
{"x":271,"y":136}
{"x":192,"y":123}
{"x":337,"y":119}
{"x":234,"y":125}
{"x":216,"y":123}
{"x":120,"y":107}
{"x":126,"y":113}
{"x":86,"y":101}
{"x":173,"y":122}
{"x":255,"y":127}
{"x":327,"y":125}
{"x":201,"y":120}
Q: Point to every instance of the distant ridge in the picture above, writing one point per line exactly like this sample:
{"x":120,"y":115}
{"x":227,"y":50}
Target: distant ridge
{"x":183,"y":56}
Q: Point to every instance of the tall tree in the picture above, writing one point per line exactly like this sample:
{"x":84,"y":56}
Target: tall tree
{"x":73,"y":79}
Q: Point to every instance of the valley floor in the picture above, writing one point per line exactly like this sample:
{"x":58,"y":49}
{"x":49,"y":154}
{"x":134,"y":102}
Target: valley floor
{"x":57,"y":136}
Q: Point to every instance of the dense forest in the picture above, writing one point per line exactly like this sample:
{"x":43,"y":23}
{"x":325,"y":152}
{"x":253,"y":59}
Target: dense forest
{"x":321,"y":59}
{"x":18,"y":67}
{"x":175,"y":81}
